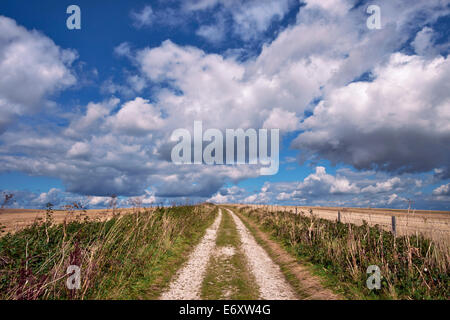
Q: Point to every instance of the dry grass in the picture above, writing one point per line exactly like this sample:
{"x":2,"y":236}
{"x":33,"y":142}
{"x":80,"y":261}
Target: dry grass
{"x":14,"y":220}
{"x":432,"y":224}
{"x":412,"y":266}
{"x":126,"y":257}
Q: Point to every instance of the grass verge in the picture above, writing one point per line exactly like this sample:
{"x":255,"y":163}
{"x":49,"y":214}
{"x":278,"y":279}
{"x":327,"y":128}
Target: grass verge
{"x":228,"y":275}
{"x":285,"y":267}
{"x":131,"y":257}
{"x":411,"y":267}
{"x":325,"y":279}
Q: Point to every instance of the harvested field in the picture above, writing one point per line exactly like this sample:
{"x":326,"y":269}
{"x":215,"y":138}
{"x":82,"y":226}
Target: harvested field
{"x":267,"y":252}
{"x":14,"y":220}
{"x":432,"y":224}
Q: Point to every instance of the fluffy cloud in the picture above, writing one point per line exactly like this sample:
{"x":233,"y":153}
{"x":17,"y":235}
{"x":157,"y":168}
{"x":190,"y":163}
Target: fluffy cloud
{"x":249,"y":18}
{"x":53,"y":196}
{"x":143,"y":18}
{"x":227,"y":94}
{"x":92,"y":120}
{"x":228,"y":195}
{"x":398,"y":122}
{"x":212,"y":33}
{"x":443,"y":190}
{"x":136,"y":117}
{"x":59,"y":198}
{"x":104,"y":151}
{"x":334,"y":7}
{"x":32,"y":67}
{"x":384,"y":186}
{"x":123,"y":49}
{"x":305,"y":63}
{"x":423,"y":43}
{"x":345,"y":188}
{"x":79,"y":150}
{"x":254,"y":17}
{"x":281,"y":119}
{"x":323,"y":183}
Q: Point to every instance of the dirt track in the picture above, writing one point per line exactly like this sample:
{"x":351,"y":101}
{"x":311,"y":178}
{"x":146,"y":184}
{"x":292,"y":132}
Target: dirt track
{"x":188,"y":280}
{"x":271,"y":282}
{"x":309,"y":286}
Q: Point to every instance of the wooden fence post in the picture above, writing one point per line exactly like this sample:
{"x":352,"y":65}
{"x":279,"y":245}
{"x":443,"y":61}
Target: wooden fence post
{"x":394,"y":225}
{"x":339,"y":216}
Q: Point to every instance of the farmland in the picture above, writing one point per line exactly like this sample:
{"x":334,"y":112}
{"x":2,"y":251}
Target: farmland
{"x":222,"y":252}
{"x":14,"y":220}
{"x":432,"y":224}
{"x":125,"y":257}
{"x":412,"y":266}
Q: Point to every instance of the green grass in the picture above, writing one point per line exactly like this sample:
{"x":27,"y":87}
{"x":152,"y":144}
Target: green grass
{"x":327,"y":279}
{"x":132,"y":257}
{"x":412,"y":267}
{"x":290,"y":277}
{"x":228,"y":277}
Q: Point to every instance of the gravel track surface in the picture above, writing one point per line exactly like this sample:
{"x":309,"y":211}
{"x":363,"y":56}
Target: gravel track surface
{"x":269,"y":278}
{"x":189,"y":278}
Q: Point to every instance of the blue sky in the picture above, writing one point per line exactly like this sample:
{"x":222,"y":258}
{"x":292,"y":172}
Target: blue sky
{"x":364,"y":114}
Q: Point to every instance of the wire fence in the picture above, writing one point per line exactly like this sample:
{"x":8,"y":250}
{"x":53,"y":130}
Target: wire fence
{"x":432,"y":224}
